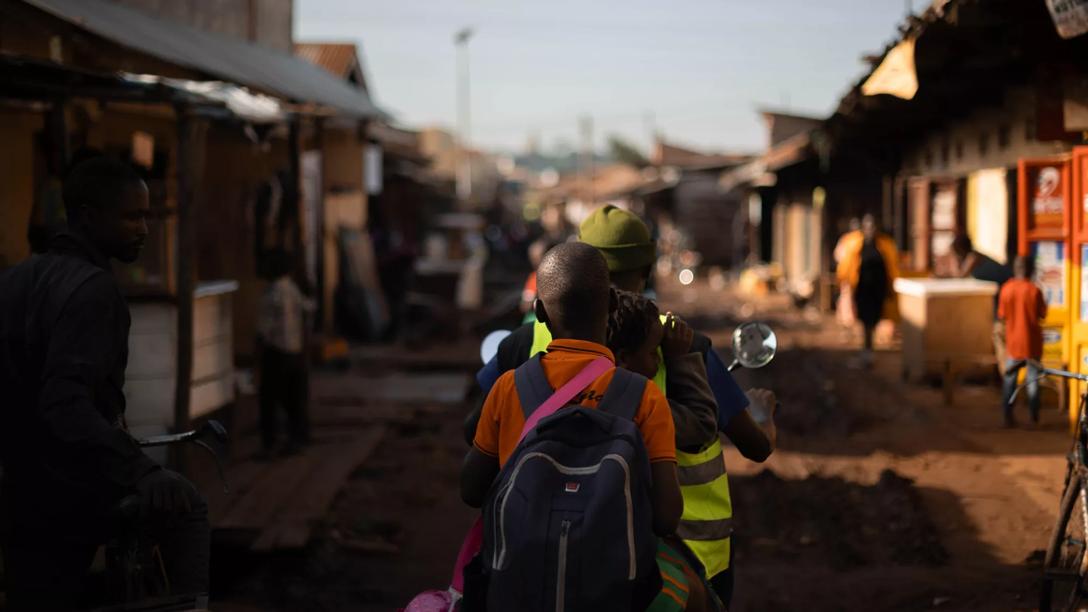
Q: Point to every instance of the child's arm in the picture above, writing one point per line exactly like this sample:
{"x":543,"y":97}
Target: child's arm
{"x":658,"y":433}
{"x":482,"y":464}
{"x":755,"y":441}
{"x":694,"y":411}
{"x":477,"y":474}
{"x":665,"y":496}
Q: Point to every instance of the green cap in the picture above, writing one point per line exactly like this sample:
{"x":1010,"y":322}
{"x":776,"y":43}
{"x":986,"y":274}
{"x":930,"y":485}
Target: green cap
{"x":621,"y":237}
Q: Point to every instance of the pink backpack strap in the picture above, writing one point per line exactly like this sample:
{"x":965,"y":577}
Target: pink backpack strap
{"x":474,"y":539}
{"x":566,"y":393}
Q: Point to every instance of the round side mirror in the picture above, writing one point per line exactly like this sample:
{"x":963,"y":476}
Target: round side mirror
{"x":754,"y":345}
{"x":491,"y":342}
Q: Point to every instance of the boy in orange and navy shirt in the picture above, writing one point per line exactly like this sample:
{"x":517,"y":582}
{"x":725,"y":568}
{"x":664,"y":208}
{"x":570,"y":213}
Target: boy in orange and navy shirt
{"x":1022,"y":307}
{"x":574,"y":301}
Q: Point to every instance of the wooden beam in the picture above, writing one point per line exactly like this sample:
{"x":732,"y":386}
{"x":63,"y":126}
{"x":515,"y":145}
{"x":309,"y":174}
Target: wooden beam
{"x":189,"y":160}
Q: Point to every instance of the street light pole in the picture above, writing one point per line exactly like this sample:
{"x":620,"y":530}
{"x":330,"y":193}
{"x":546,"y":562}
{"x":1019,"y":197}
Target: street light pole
{"x":463,"y":170}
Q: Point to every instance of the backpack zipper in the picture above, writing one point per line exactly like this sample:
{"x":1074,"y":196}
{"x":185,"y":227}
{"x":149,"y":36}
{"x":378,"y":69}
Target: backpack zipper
{"x":561,"y":580}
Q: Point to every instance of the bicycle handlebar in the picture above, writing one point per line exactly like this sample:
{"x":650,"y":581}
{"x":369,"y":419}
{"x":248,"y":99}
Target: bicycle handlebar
{"x":1046,"y":372}
{"x":1061,"y":373}
{"x":211,"y":430}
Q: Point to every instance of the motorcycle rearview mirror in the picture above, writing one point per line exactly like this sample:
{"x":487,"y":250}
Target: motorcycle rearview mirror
{"x":754,"y":345}
{"x":491,"y":342}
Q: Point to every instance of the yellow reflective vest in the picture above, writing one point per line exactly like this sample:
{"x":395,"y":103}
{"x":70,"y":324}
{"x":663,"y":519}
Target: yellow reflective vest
{"x":707,"y":522}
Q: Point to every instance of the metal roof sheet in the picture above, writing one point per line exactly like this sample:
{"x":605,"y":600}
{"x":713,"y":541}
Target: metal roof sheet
{"x":337,"y":58}
{"x":269,"y":70}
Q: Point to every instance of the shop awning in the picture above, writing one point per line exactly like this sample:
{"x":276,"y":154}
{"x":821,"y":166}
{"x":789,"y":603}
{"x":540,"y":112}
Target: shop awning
{"x":261,"y":68}
{"x":240,"y":102}
{"x":32,"y":79}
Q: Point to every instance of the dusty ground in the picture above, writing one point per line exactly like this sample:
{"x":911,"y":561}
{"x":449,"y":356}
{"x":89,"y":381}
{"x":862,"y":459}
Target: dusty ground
{"x":879,"y":497}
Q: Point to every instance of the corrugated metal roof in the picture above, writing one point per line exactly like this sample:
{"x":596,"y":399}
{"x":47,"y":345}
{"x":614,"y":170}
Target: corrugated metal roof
{"x":337,"y":58}
{"x":263,"y":68}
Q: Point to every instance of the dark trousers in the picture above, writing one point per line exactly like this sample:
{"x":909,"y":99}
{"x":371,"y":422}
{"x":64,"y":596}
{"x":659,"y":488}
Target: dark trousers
{"x":283,"y":383}
{"x":45,"y":565}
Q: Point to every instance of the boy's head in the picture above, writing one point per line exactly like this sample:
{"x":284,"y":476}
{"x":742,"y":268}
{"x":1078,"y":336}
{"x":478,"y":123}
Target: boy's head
{"x":106,"y":201}
{"x":961,"y":245}
{"x":625,"y":242}
{"x":635,"y":332}
{"x":868,"y":226}
{"x":1023,"y":267}
{"x":573,"y":292}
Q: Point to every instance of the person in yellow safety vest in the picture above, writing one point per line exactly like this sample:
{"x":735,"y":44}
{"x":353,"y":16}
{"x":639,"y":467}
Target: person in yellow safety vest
{"x":707,"y":522}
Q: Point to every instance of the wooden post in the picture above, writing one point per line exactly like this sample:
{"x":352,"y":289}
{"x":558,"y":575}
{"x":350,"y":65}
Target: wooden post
{"x":58,"y":136}
{"x":190,"y":132}
{"x":292,"y":194}
{"x":319,"y":232}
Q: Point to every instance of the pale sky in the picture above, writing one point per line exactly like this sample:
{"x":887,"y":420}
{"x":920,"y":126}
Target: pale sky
{"x":698,"y":68}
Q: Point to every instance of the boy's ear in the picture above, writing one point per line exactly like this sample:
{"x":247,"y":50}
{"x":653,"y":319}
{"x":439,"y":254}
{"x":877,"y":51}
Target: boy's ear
{"x":538,"y":309}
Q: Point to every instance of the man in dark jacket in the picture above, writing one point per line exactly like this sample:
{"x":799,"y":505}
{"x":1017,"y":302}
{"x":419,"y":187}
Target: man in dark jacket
{"x":67,"y":458}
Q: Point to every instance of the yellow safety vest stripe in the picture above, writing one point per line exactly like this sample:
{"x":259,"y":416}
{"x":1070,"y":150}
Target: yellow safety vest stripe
{"x":708,"y":508}
{"x":708,"y":454}
{"x":713,"y":554}
{"x":708,"y":501}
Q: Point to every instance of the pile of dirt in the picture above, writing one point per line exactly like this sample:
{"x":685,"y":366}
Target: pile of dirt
{"x":833,"y":522}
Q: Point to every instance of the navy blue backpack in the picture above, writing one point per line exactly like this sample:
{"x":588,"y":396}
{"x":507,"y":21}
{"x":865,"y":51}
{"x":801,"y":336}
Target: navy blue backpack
{"x":568,"y":522}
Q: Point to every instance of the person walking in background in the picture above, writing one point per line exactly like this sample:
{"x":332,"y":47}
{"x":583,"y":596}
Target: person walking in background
{"x":1022,"y":307}
{"x":869,"y":268}
{"x":844,"y":307}
{"x":972,"y":264}
{"x":282,"y":343}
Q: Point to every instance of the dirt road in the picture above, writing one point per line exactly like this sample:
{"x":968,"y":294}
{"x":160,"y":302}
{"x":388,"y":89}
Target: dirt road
{"x":878,"y":498}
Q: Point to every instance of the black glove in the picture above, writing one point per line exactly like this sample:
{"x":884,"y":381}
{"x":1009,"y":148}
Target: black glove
{"x":166,"y":492}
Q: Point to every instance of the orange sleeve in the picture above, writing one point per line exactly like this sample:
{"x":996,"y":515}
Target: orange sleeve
{"x":847,"y":270}
{"x":1042,"y":304}
{"x":654,"y":420}
{"x":1001,"y":297}
{"x":487,"y":431}
{"x":891,"y":258}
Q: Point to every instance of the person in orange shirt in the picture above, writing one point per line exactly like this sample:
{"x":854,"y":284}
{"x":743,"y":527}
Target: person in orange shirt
{"x":1022,"y":307}
{"x":574,"y":302}
{"x":869,"y":268}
